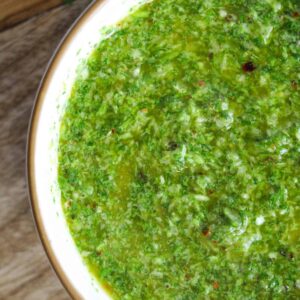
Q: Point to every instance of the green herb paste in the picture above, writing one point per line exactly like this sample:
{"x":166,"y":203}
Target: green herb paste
{"x":179,"y":153}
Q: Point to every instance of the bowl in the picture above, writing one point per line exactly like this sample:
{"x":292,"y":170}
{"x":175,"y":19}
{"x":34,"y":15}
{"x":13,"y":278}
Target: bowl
{"x":42,"y":151}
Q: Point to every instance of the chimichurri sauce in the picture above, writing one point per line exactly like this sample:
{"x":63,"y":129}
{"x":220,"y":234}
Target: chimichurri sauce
{"x":179,"y":154}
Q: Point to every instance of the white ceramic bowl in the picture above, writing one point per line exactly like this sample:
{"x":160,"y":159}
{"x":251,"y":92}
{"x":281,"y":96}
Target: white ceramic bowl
{"x":51,"y":100}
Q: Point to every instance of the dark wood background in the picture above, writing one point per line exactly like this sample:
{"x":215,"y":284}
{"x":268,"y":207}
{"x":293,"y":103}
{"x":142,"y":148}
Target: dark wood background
{"x":29,"y":33}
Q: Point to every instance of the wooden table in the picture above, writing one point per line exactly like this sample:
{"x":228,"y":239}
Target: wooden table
{"x":29,"y":32}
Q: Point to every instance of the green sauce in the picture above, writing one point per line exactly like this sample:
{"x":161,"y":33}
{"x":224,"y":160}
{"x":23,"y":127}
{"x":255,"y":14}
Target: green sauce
{"x":179,"y":154}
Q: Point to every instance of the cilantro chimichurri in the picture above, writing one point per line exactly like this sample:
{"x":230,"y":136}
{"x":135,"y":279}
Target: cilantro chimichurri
{"x":179,"y":154}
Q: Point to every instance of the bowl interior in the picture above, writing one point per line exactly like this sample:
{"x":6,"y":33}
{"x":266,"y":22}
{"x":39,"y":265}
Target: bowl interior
{"x":67,"y":65}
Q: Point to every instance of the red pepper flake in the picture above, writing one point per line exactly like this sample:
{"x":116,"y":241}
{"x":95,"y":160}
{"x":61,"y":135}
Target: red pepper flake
{"x":107,"y":287}
{"x":296,"y":14}
{"x":187,"y":97}
{"x":249,"y":19}
{"x":150,"y":21}
{"x":248,"y":66}
{"x":113,"y":130}
{"x":285,"y":253}
{"x":188,"y":276}
{"x":216,"y":285}
{"x":229,"y":18}
{"x":209,"y":192}
{"x":172,"y":145}
{"x":294,"y":85}
{"x":68,"y":203}
{"x":206,"y":232}
{"x":269,"y":159}
{"x":201,"y":83}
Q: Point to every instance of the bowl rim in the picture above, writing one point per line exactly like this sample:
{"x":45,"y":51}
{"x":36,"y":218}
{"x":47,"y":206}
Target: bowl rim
{"x":31,"y":143}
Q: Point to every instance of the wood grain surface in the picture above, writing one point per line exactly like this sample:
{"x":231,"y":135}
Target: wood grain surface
{"x":15,"y":11}
{"x":24,"y":53}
